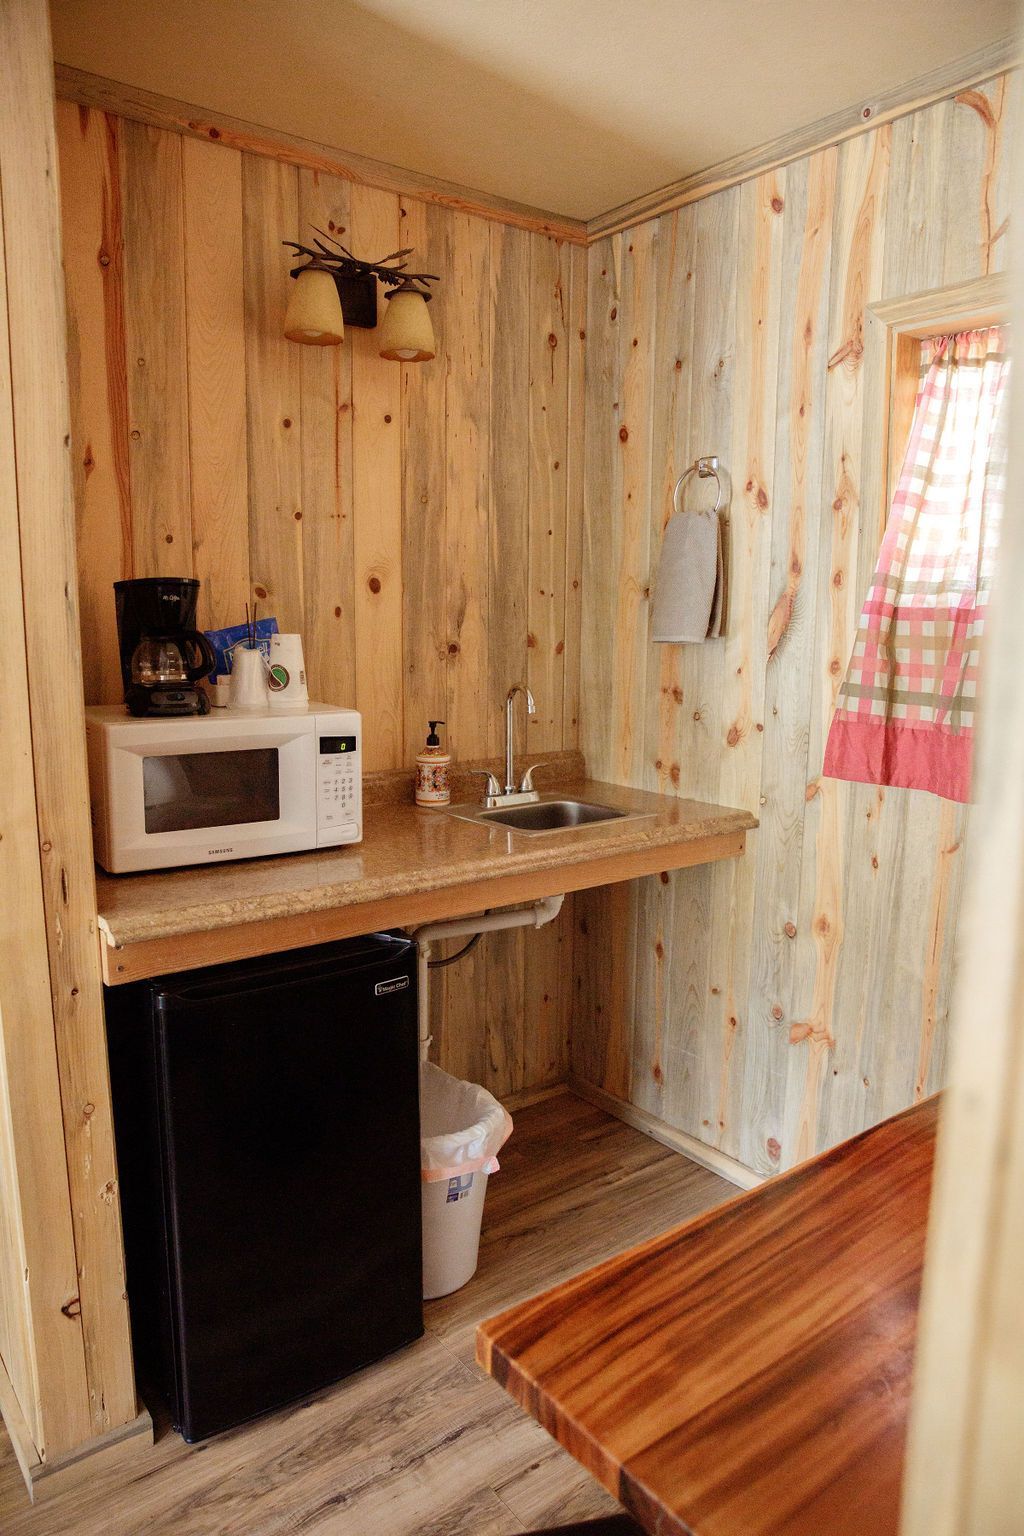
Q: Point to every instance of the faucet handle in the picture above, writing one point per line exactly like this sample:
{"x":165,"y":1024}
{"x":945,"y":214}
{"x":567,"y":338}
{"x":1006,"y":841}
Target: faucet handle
{"x":527,"y":786}
{"x":493,"y":787}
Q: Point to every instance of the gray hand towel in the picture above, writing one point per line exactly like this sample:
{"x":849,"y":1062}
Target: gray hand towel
{"x":689,"y":590}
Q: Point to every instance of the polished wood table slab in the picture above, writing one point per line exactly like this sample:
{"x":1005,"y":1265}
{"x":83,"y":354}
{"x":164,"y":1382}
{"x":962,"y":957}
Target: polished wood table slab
{"x":747,"y":1374}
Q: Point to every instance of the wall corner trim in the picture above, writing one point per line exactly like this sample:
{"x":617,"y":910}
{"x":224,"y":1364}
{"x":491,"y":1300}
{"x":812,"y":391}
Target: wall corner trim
{"x":140,"y":106}
{"x":847,"y":123}
{"x":95,"y":91}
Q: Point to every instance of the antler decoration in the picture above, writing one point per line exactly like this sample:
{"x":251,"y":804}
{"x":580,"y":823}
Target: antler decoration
{"x":392,"y":270}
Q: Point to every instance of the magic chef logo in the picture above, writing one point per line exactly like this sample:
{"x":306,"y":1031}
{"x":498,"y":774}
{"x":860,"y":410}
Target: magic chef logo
{"x":393,"y":984}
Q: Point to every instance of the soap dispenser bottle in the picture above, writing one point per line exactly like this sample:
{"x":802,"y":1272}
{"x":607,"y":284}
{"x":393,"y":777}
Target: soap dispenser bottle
{"x":432,"y":766}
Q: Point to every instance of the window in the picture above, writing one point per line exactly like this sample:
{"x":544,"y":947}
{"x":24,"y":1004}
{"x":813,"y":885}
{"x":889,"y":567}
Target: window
{"x":905,"y":711}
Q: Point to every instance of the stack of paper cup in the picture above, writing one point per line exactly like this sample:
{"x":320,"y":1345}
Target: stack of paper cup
{"x":286,"y":680}
{"x":248,"y":686}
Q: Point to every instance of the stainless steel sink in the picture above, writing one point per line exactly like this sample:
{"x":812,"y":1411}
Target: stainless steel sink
{"x":549,"y":814}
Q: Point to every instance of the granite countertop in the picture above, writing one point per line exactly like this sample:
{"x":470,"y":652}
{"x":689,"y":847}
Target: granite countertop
{"x":404,"y":850}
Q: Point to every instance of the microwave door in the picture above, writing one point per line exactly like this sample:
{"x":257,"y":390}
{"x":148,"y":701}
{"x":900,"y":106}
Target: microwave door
{"x":193,"y":791}
{"x":188,"y":795}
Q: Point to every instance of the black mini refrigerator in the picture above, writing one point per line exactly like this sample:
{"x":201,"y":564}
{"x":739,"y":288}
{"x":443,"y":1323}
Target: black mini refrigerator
{"x":267,"y":1123}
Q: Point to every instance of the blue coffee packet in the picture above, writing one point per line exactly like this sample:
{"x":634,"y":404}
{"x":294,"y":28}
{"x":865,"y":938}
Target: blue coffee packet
{"x":225,"y":640}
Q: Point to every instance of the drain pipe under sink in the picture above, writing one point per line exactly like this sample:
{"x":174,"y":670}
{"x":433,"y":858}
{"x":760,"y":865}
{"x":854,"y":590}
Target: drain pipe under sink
{"x":533,"y":916}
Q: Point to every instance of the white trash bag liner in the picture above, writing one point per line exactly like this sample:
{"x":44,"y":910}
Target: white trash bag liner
{"x":462,"y":1127}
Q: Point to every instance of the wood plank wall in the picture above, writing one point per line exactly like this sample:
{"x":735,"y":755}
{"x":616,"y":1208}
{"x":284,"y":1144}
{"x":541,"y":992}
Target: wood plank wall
{"x":773,"y":1006}
{"x":66,"y":1368}
{"x":38,"y":1271}
{"x":419,"y":524}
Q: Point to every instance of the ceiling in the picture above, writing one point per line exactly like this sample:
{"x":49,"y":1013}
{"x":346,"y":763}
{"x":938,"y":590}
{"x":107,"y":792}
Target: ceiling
{"x":570,"y":105}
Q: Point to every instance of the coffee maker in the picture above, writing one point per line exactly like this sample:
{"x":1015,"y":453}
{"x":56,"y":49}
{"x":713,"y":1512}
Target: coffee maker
{"x":163,"y":656}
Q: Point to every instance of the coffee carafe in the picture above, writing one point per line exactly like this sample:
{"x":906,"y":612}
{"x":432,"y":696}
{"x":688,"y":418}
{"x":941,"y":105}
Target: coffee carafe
{"x":163,"y":656}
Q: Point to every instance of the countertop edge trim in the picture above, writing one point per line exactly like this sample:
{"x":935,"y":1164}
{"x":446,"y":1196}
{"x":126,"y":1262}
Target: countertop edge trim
{"x":208,"y":918}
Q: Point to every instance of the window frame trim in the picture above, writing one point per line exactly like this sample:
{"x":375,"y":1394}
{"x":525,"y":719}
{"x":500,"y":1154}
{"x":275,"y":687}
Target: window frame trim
{"x":895,"y":329}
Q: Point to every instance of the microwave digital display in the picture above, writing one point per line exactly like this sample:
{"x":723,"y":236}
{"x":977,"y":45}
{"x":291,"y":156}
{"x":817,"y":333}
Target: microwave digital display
{"x":331,"y":744}
{"x":189,"y":790}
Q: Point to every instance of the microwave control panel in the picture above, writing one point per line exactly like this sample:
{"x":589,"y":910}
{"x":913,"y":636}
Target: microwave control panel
{"x":339,"y":785}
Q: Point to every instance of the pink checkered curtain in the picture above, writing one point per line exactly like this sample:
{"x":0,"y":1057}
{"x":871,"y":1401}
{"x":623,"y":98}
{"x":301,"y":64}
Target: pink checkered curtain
{"x":905,"y":712}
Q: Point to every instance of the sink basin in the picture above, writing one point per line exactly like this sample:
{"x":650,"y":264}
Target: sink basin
{"x":549,"y":815}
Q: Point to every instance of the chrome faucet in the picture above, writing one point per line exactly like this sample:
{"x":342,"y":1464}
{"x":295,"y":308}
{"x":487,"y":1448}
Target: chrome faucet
{"x":496,"y":794}
{"x":531,"y":709}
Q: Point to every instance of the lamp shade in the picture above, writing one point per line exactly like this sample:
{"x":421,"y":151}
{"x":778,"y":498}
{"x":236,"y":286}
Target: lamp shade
{"x":314,"y":310}
{"x":407,"y":335}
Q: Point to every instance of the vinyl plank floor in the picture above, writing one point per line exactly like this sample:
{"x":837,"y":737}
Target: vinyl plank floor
{"x":421,"y":1444}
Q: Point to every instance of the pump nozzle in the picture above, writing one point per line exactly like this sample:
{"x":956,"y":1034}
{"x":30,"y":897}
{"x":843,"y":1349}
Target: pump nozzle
{"x":433,"y":740}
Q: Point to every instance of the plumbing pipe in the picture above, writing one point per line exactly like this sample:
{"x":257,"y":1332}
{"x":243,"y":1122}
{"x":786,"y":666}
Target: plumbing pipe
{"x":534,"y":916}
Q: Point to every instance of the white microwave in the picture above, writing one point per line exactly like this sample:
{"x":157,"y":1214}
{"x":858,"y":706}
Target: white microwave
{"x":197,"y":789}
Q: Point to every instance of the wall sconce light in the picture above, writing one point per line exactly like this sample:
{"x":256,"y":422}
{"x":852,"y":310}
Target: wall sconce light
{"x":334,"y":288}
{"x":407,"y":335}
{"x":314,"y":315}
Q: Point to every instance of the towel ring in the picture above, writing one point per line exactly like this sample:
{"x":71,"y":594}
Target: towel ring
{"x":706,"y":469}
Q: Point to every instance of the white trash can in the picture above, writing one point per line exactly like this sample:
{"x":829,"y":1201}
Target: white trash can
{"x":462,"y":1127}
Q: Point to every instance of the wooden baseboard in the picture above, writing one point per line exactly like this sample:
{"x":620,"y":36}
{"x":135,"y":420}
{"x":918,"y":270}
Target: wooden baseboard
{"x":116,"y":1448}
{"x":17,"y":1427}
{"x":527,"y":1096}
{"x":697,"y":1151}
{"x":44,"y":1479}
